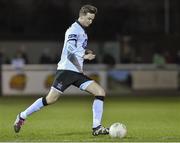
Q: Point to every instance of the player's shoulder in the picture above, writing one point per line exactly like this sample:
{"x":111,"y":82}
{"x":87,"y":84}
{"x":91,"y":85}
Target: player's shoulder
{"x":74,"y":28}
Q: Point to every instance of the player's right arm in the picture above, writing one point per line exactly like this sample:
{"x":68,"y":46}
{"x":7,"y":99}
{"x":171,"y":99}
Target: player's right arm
{"x":71,"y":47}
{"x":71,"y":43}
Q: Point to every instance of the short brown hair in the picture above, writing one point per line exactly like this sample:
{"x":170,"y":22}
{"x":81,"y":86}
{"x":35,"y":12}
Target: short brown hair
{"x":87,"y":9}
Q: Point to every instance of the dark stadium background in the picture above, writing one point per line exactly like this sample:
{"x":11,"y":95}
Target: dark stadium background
{"x":48,"y":19}
{"x":139,"y":30}
{"x":152,"y":25}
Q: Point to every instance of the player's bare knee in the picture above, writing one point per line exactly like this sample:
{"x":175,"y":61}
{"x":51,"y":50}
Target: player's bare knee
{"x":52,"y":97}
{"x":101,"y":92}
{"x":51,"y":100}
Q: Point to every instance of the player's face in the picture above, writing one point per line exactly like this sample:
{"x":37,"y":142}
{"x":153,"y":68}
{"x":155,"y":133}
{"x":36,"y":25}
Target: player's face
{"x":87,"y":19}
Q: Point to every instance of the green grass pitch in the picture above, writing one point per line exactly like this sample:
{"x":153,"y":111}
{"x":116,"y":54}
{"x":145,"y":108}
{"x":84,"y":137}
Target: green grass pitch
{"x":148,"y":118}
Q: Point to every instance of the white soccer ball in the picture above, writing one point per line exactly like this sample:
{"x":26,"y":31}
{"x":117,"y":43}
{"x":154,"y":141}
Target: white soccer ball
{"x":117,"y":130}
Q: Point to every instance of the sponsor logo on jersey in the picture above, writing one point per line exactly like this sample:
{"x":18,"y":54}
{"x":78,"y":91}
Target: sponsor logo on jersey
{"x":72,"y":36}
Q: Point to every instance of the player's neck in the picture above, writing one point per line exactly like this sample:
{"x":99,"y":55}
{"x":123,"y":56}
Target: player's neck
{"x":80,"y":23}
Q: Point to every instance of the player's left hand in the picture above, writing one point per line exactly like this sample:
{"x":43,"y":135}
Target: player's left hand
{"x":89,"y":56}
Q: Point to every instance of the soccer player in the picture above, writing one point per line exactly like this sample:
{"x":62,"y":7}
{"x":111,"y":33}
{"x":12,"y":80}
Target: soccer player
{"x":70,"y":72}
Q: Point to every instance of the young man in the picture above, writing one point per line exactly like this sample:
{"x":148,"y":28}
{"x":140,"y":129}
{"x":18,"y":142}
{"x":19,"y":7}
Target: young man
{"x":70,"y":72}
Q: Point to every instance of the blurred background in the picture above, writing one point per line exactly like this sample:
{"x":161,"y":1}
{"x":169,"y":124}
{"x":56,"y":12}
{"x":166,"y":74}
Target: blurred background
{"x":136,"y":44}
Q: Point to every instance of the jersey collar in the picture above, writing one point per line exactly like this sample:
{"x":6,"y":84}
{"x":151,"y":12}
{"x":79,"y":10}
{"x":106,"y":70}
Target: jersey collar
{"x":81,"y":25}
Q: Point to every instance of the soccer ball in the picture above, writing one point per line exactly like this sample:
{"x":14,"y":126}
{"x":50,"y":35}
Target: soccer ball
{"x":117,"y":130}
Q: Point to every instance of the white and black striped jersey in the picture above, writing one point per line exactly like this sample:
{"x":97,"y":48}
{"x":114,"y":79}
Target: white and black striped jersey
{"x":75,"y":43}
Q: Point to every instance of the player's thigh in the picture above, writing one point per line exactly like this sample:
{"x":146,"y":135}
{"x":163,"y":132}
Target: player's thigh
{"x":63,"y":80}
{"x":95,"y":89}
{"x":53,"y":95}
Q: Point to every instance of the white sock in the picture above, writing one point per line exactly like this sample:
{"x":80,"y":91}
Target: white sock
{"x":97,"y":112}
{"x":37,"y":105}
